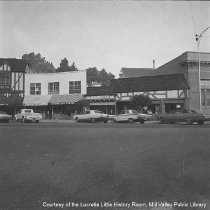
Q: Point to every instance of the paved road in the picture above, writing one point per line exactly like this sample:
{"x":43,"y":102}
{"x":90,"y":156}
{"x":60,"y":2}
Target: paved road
{"x":116,"y":163}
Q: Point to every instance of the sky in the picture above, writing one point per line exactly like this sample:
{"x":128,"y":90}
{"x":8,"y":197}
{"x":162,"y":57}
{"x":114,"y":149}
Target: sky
{"x":103,"y":34}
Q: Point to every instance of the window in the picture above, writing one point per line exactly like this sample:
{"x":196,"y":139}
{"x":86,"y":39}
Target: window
{"x":75,"y":87}
{"x":205,"y":82}
{"x":53,"y":88}
{"x":35,"y":88}
{"x":5,"y":67}
{"x":205,"y":97}
{"x":4,"y":80}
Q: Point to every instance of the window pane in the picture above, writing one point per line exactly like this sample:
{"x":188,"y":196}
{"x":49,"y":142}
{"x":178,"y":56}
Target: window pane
{"x":203,"y":97}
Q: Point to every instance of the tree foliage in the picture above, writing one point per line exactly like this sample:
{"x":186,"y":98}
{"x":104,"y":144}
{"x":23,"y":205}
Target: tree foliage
{"x":81,"y":105}
{"x":93,"y":75}
{"x":140,"y":101}
{"x":38,"y":64}
{"x":64,"y":66}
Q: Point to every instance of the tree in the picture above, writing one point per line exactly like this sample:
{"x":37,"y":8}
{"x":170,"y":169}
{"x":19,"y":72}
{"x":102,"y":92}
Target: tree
{"x":138,"y":102}
{"x":73,"y":67}
{"x":93,"y":75}
{"x":81,"y":105}
{"x":38,"y":64}
{"x":64,"y":66}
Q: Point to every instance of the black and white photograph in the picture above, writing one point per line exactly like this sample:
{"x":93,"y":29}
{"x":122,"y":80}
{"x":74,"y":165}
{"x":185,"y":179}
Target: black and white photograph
{"x":104,"y":105}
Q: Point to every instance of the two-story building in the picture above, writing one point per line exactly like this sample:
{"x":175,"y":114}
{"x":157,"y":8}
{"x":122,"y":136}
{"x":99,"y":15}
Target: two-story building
{"x":12,"y":83}
{"x":174,"y":84}
{"x":54,"y":92}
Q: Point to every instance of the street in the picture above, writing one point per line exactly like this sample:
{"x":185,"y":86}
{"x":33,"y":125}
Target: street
{"x":45,"y":165}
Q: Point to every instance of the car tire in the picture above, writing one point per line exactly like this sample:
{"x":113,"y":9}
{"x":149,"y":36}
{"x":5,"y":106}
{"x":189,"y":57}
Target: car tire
{"x":200,"y":122}
{"x":189,"y":122}
{"x":157,"y":118}
{"x":161,"y":120}
{"x":142,"y":121}
{"x":130,"y":120}
{"x":93,"y":120}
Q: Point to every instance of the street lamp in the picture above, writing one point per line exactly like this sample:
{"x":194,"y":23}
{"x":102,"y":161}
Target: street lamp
{"x":198,"y":39}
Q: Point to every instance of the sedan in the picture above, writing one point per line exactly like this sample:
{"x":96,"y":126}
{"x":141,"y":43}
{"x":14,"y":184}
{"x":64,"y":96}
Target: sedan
{"x":130,"y":116}
{"x":4,"y":117}
{"x":187,"y":116}
{"x":92,"y":116}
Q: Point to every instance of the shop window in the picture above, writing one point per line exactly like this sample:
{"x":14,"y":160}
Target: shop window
{"x":35,"y":88}
{"x":53,"y":88}
{"x":75,"y":87}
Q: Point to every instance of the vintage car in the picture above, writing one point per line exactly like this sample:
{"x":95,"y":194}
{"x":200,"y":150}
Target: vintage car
{"x":187,"y":116}
{"x":130,"y":116}
{"x":92,"y":116}
{"x":28,"y":115}
{"x":4,"y":117}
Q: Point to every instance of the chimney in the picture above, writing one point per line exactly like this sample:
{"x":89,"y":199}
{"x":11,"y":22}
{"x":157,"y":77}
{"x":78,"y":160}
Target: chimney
{"x":153,"y":64}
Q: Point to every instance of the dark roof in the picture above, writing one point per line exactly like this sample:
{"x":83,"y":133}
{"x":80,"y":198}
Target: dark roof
{"x":18,"y":65}
{"x":98,"y":91}
{"x":135,"y":72}
{"x":150,"y":83}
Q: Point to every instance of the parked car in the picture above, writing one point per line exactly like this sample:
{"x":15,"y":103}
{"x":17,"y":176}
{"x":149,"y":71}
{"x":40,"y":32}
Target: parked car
{"x":4,"y":117}
{"x":130,"y":116}
{"x":92,"y":116}
{"x":28,"y":115}
{"x":187,"y":116}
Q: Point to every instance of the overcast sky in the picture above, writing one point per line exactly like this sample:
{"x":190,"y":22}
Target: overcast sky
{"x":103,"y":34}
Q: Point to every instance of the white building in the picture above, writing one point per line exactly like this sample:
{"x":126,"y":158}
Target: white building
{"x":54,"y":92}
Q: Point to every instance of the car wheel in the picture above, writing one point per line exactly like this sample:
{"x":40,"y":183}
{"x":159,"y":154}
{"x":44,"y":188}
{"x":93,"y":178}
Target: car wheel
{"x":200,"y":122}
{"x":189,"y":122}
{"x":142,"y":121}
{"x":93,"y":120}
{"x":157,"y":118}
{"x":24,"y":120}
{"x":130,"y":120}
{"x":161,"y":120}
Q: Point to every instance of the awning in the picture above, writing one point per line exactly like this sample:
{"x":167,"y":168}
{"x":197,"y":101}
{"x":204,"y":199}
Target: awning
{"x":65,"y":99}
{"x":36,"y":100}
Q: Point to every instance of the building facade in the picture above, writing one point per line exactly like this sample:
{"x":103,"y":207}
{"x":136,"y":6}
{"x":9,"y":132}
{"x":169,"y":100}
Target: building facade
{"x":12,"y":83}
{"x":54,"y":92}
{"x":187,"y":64}
{"x":174,"y":84}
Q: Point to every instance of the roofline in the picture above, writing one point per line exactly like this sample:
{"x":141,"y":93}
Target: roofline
{"x":148,"y":76}
{"x":64,"y":72}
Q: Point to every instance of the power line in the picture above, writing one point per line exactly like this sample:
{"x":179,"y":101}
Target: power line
{"x":192,"y":17}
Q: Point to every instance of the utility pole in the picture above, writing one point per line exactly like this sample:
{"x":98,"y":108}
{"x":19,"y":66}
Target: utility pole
{"x":198,"y":39}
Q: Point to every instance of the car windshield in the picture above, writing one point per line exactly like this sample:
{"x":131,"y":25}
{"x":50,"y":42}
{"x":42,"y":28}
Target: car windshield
{"x":134,"y":112}
{"x":1,"y":112}
{"x":188,"y":111}
{"x":27,"y":111}
{"x":96,"y":111}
